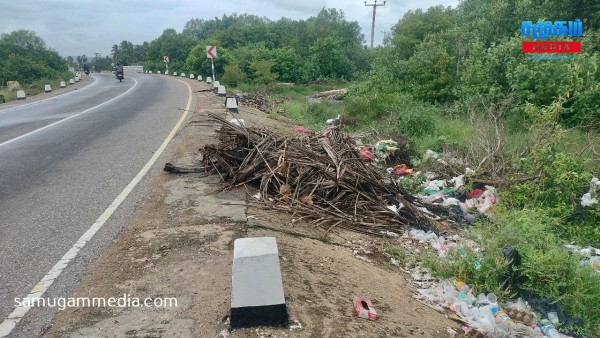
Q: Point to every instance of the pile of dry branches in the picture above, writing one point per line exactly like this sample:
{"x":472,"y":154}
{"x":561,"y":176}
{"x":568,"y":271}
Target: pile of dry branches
{"x":335,"y":94}
{"x":318,"y":177}
{"x":260,"y":101}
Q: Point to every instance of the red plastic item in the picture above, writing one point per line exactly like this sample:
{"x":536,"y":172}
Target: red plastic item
{"x":475,"y":193}
{"x":302,"y":130}
{"x":402,"y":170}
{"x":364,"y":308}
{"x":365,"y":154}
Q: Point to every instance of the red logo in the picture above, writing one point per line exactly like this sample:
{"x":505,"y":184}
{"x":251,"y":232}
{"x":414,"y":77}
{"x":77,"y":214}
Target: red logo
{"x":551,"y":46}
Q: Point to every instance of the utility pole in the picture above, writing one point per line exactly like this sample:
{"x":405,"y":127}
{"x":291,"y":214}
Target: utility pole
{"x":374,"y":5}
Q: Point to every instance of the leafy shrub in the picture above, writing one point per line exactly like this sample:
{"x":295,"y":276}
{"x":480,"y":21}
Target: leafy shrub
{"x":233,"y":75}
{"x":550,"y":178}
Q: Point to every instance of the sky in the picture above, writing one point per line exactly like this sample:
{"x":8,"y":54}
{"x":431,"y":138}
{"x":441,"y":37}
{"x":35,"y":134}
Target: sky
{"x":77,"y":27}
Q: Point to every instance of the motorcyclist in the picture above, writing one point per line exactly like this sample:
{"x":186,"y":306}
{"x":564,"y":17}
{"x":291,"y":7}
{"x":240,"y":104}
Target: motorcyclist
{"x":119,"y":70}
{"x":86,"y":69}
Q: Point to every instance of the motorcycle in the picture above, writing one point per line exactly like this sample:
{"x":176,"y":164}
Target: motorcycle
{"x":120,"y":76}
{"x":87,"y":72}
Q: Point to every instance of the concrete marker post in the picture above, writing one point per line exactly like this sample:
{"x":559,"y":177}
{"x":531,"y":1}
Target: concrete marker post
{"x":257,"y":296}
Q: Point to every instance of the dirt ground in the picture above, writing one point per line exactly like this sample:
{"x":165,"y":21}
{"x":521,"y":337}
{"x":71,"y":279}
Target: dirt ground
{"x":180,"y":244}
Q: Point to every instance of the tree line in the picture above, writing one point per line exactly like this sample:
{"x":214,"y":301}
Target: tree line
{"x":24,"y":57}
{"x":256,"y":49}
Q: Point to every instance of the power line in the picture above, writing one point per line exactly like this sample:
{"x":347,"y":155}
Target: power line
{"x":374,"y":5}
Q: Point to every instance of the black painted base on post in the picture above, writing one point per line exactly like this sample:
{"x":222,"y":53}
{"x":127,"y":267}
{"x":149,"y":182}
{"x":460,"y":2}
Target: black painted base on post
{"x":268,"y":315}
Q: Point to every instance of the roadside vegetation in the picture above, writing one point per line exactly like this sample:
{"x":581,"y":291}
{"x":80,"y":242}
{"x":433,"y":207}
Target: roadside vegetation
{"x":25,"y":58}
{"x":453,"y":80}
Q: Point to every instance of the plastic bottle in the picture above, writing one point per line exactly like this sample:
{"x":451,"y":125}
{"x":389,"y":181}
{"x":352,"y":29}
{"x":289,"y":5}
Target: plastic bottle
{"x":549,"y":330}
{"x":501,"y":316}
{"x":460,"y":285}
{"x":482,"y":299}
{"x":491,"y":297}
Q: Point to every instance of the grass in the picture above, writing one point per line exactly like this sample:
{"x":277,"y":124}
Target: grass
{"x":312,"y":114}
{"x":36,"y":87}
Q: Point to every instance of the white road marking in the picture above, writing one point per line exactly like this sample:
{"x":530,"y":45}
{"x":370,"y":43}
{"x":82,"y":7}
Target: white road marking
{"x":18,"y":313}
{"x":68,"y":118}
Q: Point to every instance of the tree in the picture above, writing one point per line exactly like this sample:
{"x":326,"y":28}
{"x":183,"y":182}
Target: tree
{"x":262,"y":72}
{"x":287,"y":64}
{"x":21,"y":42}
{"x":416,"y":25}
{"x":328,"y":60}
{"x":233,"y":75}
{"x":25,"y":58}
{"x":176,"y":46}
{"x":114,"y":51}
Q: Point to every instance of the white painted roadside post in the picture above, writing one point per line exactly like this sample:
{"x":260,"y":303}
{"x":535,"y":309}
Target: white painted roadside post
{"x":231,"y":103}
{"x":216,"y":85}
{"x":72,"y":81}
{"x":182,"y":74}
{"x":199,"y":78}
{"x":221,"y":91}
{"x":211,"y":53}
{"x":257,"y":297}
{"x":62,"y":84}
{"x":47,"y":89}
{"x":21,"y":95}
{"x":208,"y":79}
{"x":192,"y":76}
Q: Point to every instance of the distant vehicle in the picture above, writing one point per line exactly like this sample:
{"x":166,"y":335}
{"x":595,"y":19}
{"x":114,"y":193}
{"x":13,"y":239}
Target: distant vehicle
{"x":119,"y":72}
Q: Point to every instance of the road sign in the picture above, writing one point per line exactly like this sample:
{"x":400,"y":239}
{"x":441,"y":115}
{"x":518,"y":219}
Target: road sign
{"x":211,"y":52}
{"x":165,"y":58}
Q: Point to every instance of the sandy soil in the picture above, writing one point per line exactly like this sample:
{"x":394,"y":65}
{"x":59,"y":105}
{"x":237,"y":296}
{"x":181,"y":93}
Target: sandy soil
{"x":179,"y":244}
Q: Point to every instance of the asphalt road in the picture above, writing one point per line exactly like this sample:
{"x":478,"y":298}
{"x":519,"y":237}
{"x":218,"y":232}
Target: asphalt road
{"x":62,"y":162}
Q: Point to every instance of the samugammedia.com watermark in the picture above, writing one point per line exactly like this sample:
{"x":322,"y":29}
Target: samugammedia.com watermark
{"x":551,"y":57}
{"x":72,"y":302}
